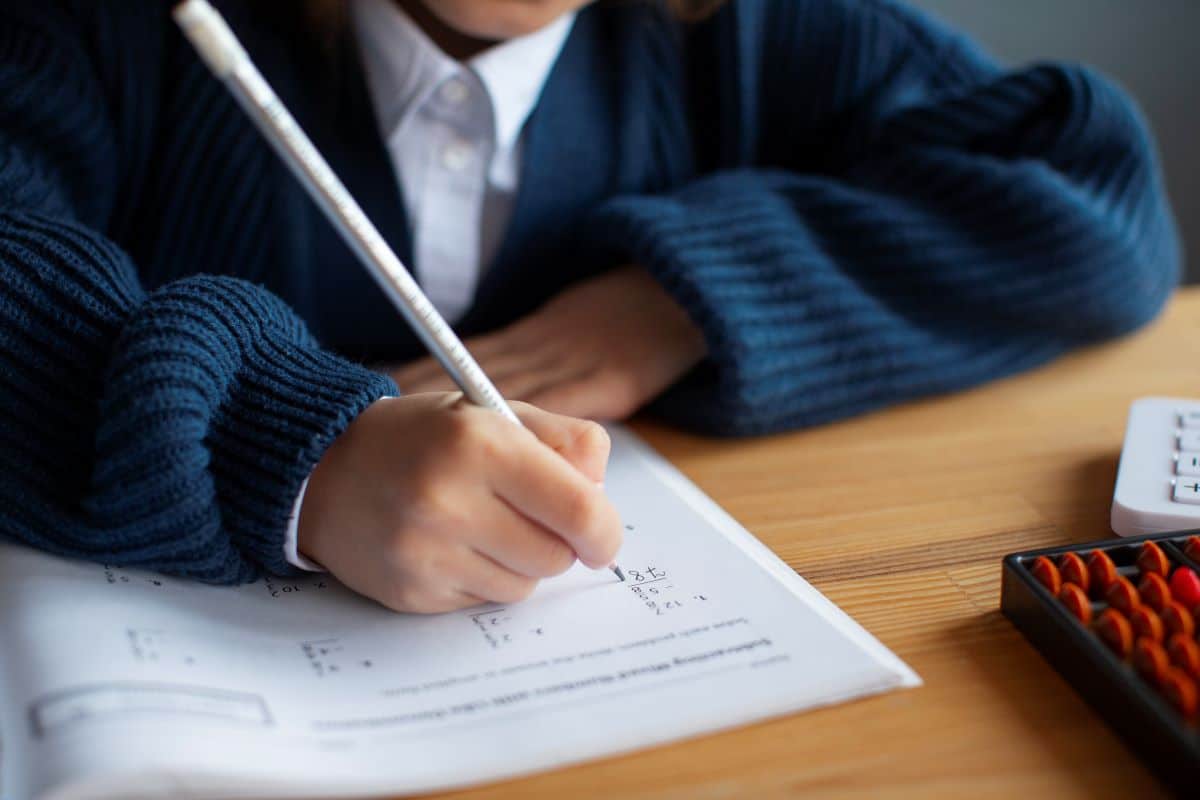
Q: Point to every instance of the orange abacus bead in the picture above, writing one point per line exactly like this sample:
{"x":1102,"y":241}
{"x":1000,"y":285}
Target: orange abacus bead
{"x":1178,"y":619}
{"x":1147,"y":624}
{"x":1076,"y":601}
{"x":1151,"y":558}
{"x":1151,"y":660}
{"x":1073,"y":570}
{"x":1181,"y":691}
{"x":1115,"y":631}
{"x":1185,"y":586}
{"x":1192,"y":548}
{"x":1046,"y":573}
{"x":1154,"y":591}
{"x":1185,"y":654}
{"x":1122,"y":595}
{"x":1101,"y":570}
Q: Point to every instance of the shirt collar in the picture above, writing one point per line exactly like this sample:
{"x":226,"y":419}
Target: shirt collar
{"x":404,"y":66}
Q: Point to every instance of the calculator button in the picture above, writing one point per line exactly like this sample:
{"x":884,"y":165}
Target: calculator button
{"x":1189,"y":419}
{"x":1187,"y":491}
{"x":1189,"y":440}
{"x":1188,"y":463}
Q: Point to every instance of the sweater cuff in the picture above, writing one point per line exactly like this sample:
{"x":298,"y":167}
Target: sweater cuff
{"x":703,"y":249}
{"x":217,"y":407}
{"x":290,"y":404}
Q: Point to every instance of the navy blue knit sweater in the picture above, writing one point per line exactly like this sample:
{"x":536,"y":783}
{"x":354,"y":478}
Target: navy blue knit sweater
{"x":854,"y":204}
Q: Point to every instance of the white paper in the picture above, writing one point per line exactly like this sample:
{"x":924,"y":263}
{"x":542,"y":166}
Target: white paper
{"x":124,"y":684}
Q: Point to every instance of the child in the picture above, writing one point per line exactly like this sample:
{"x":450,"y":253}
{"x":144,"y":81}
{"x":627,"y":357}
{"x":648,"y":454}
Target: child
{"x":783,"y":213}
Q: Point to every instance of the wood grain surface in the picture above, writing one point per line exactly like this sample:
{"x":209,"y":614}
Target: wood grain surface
{"x":901,"y":518}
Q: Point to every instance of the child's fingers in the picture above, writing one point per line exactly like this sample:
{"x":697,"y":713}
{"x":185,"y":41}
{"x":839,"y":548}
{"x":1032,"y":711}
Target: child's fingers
{"x":540,"y":485}
{"x":535,"y":377}
{"x":491,"y":344}
{"x":518,"y":543}
{"x":477,"y":575}
{"x":584,"y":444}
{"x":575,"y":398}
{"x":599,"y":394}
{"x":503,"y":365}
{"x":498,"y":351}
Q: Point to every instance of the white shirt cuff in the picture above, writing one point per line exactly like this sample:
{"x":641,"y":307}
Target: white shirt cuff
{"x":291,"y":539}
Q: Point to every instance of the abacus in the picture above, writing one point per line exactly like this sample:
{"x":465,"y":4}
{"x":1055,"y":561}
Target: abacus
{"x":1119,"y":620}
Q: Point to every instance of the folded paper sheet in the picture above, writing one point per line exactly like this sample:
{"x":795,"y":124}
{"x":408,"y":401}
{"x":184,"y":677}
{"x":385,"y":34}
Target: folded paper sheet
{"x":115,"y":683}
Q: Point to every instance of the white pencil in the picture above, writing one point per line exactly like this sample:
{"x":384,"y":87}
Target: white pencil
{"x":219,"y":47}
{"x":208,"y":32}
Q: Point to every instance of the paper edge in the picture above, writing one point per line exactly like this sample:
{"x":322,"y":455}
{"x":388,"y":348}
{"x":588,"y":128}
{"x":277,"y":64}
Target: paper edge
{"x":734,"y":531}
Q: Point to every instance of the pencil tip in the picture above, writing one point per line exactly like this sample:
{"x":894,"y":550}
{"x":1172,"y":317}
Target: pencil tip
{"x":617,"y":571}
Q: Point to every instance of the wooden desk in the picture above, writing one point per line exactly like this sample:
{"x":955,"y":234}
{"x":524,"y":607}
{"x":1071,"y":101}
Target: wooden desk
{"x":901,"y":518}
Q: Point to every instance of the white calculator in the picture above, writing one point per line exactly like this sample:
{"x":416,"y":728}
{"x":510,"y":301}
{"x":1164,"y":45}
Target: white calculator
{"x":1158,"y":481}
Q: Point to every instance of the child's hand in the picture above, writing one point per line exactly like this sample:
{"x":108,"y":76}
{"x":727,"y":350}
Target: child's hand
{"x":601,"y":349}
{"x":427,"y":503}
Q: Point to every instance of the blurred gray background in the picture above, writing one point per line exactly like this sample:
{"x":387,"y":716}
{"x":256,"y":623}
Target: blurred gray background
{"x":1148,"y":46}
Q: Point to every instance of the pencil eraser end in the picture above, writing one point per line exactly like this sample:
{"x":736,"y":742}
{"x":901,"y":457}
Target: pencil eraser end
{"x":206,"y":29}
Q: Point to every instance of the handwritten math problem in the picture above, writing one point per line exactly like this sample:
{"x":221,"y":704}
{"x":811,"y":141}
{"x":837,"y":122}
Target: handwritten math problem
{"x":657,"y":590}
{"x":501,"y":627}
{"x":331,"y":657}
{"x":156,"y":646}
{"x":280,"y":587}
{"x":116,"y":576}
{"x":652,"y":587}
{"x":274,"y":586}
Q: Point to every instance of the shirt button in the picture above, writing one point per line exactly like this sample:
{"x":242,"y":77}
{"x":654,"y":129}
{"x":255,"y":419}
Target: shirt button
{"x":457,"y":155}
{"x":455,"y":92}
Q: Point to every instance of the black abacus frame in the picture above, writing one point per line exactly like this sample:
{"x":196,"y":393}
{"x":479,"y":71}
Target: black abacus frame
{"x":1143,"y":719}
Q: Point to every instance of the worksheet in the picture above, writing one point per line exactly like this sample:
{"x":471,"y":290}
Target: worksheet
{"x":117,"y":683}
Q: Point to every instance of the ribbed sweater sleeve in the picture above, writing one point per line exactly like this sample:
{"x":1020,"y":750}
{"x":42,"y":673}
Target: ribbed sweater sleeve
{"x":168,"y":429}
{"x":909,"y":220}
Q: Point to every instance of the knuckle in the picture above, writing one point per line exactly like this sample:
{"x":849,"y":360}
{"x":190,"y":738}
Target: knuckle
{"x":593,"y":438}
{"x":582,"y":510}
{"x":491,"y":444}
{"x":427,"y":485}
{"x":414,"y":557}
{"x":436,"y":503}
{"x":458,"y":428}
{"x":442,"y":507}
{"x":474,"y":436}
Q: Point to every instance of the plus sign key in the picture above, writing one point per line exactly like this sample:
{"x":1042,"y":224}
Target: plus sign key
{"x":1187,"y":491}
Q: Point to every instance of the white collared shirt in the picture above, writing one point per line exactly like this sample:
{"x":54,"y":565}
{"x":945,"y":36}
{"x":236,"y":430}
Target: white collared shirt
{"x":454,"y":132}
